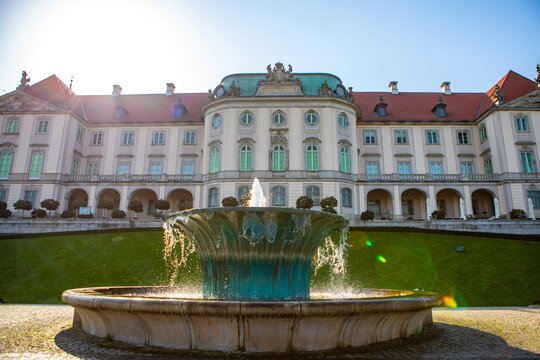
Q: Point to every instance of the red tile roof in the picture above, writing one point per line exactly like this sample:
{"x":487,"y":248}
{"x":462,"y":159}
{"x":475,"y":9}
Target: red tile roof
{"x":55,"y":92}
{"x":149,"y":108}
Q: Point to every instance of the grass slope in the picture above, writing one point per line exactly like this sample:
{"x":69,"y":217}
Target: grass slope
{"x":491,"y":272}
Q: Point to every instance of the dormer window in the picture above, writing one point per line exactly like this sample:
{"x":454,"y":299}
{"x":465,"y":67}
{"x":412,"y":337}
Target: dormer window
{"x":179,"y":109}
{"x":119,"y":113}
{"x":440,"y":109}
{"x":380,"y":108}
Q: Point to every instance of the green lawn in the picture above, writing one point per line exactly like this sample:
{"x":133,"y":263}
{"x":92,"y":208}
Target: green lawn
{"x":491,"y":272}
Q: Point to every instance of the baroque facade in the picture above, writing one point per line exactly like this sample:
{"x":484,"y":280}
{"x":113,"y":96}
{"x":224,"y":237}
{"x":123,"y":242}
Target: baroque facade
{"x":400,"y":155}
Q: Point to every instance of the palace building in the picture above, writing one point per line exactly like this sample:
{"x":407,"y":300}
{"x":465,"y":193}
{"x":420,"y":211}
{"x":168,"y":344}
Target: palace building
{"x":398,"y":154}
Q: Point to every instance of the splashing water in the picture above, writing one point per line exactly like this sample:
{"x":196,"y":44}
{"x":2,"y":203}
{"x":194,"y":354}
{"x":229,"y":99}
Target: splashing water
{"x":257,"y":196}
{"x":177,"y":247}
{"x":332,"y":254}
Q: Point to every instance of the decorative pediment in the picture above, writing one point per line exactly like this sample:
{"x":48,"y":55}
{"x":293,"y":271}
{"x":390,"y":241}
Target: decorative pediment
{"x":279,"y":82}
{"x":19,"y":102}
{"x":278,"y":139}
{"x":8,"y":145}
{"x":529,"y":101}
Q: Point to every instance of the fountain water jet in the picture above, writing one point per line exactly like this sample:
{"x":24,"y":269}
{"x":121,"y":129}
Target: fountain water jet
{"x":256,"y":268}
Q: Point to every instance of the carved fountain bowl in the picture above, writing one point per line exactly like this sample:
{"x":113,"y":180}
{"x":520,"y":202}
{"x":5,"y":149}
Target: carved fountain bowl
{"x":143,"y":316}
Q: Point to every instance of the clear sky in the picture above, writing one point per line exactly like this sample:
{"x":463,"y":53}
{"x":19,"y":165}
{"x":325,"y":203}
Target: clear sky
{"x":142,"y":45}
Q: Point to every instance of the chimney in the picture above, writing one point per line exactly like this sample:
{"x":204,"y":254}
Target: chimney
{"x":170,"y":89}
{"x":392,"y":87}
{"x":445,"y":88}
{"x":117,"y":90}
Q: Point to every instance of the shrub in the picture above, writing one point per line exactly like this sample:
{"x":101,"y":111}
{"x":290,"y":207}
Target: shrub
{"x":67,"y":214}
{"x":244,"y":200}
{"x":229,"y":201}
{"x":3,"y":205}
{"x":89,"y":216}
{"x":517,"y":214}
{"x":39,"y":213}
{"x":329,"y":202}
{"x":5,"y":213}
{"x":50,"y":204}
{"x":367,"y":215}
{"x":162,"y":204}
{"x":304,"y":202}
{"x":160,"y":215}
{"x":329,"y":209}
{"x":136,"y":206}
{"x":22,"y":205}
{"x":118,"y":214}
{"x":105,"y":204}
{"x":438,"y":214}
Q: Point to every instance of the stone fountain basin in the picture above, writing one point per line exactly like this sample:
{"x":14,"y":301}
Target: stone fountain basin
{"x":133,"y":315}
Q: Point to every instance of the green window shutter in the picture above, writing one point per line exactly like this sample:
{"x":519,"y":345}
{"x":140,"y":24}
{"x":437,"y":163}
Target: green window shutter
{"x":36,"y":165}
{"x":345,"y":160}
{"x":5,"y":164}
{"x":278,"y":158}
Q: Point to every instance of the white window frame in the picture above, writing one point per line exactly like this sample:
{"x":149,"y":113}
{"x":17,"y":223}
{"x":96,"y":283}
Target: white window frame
{"x":96,"y":138}
{"x":92,"y":168}
{"x":190,"y":137}
{"x":79,"y":137}
{"x":122,"y":166}
{"x":158,"y":138}
{"x":128,"y":138}
{"x":432,"y":137}
{"x":42,"y":126}
{"x":522,"y":124}
{"x":463,"y":137}
{"x":155,"y":165}
{"x":401,"y":136}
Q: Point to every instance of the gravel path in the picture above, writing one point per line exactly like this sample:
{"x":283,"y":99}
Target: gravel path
{"x":45,"y":332}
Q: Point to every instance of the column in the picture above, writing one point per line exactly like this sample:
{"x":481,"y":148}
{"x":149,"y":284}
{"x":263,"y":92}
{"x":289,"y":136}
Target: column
{"x":123,"y":197}
{"x":467,"y":199}
{"x":397,"y":204}
{"x":92,"y":198}
{"x":431,"y":201}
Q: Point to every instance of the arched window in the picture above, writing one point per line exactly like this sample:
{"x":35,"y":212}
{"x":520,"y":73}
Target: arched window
{"x":278,"y":196}
{"x":246,"y":158}
{"x":312,"y":158}
{"x":213,"y":197}
{"x":311,"y":118}
{"x":278,"y":117}
{"x":314,"y":193}
{"x":346,"y":197}
{"x":343,"y":121}
{"x":214,"y":159}
{"x":242,"y":191}
{"x":246,"y":118}
{"x":344,"y":160}
{"x":216,"y":121}
{"x":278,"y":158}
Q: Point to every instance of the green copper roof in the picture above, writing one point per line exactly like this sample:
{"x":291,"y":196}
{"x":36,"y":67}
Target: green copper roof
{"x":310,"y":82}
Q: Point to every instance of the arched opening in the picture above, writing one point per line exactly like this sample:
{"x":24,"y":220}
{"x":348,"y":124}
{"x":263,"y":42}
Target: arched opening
{"x":413,"y":204}
{"x":482,"y":204}
{"x":77,"y":198}
{"x":147,"y":198}
{"x":180,"y":199}
{"x":107,"y":194}
{"x":448,"y":201}
{"x":379,"y":202}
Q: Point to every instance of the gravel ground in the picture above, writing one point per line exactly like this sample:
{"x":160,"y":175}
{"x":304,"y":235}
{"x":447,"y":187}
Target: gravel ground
{"x":45,"y":332}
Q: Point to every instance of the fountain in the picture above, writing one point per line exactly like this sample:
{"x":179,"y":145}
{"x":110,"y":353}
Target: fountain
{"x":255,"y":294}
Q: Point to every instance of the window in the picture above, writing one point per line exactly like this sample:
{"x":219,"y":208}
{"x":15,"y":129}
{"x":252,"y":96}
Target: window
{"x":374,"y":206}
{"x":314,"y":193}
{"x":216,"y":121}
{"x":80,"y":135}
{"x":522,"y":124}
{"x":435,"y":168}
{"x":246,"y":118}
{"x":278,"y":195}
{"x":12,"y":126}
{"x":179,"y":110}
{"x":5,"y":164}
{"x":246,"y":157}
{"x":463,"y":137}
{"x":407,"y":207}
{"x":213,"y":197}
{"x":401,"y":136}
{"x":381,"y":111}
{"x":311,"y":118}
{"x":96,"y":139}
{"x":488,"y":167}
{"x":535,"y":197}
{"x":214,"y":159}
{"x":278,"y":118}
{"x":432,"y":137}
{"x":123,"y":168}
{"x":158,"y":138}
{"x":243,"y":191}
{"x":344,"y":160}
{"x":188,"y":168}
{"x":440,"y":111}
{"x":278,"y":158}
{"x":36,"y":165}
{"x":346,"y":197}
{"x":467,"y":168}
{"x":372,"y":168}
{"x":370,"y":136}
{"x":404,"y":168}
{"x":343,"y":121}
{"x":92,"y":168}
{"x":119,"y":113}
{"x":483,"y":133}
{"x":190,"y":137}
{"x":43,"y":126}
{"x":75,"y":167}
{"x":31,"y":195}
{"x":3,"y":195}
{"x":312,"y":158}
{"x":128,"y":137}
{"x":527,"y":161}
{"x":155,"y":168}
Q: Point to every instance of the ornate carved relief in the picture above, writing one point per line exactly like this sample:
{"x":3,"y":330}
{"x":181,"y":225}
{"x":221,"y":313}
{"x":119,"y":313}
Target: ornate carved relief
{"x":279,"y":139}
{"x":529,"y":101}
{"x":279,"y":82}
{"x":21,"y":103}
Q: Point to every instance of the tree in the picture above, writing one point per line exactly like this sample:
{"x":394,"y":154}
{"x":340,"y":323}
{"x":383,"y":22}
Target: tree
{"x":229,"y":201}
{"x":304,"y":202}
{"x":4,"y":212}
{"x":105,"y":204}
{"x":161,"y":205}
{"x":328,"y":204}
{"x":135,"y":206}
{"x":22,"y":205}
{"x":367,"y":215}
{"x":50,"y":204}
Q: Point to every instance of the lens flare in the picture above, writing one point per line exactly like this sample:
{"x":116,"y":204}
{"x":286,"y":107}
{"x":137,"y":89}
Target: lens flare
{"x":449,"y":301}
{"x":369,"y":244}
{"x":380,"y":258}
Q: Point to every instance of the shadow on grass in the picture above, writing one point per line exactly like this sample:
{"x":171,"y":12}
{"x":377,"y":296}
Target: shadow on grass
{"x":438,"y":341}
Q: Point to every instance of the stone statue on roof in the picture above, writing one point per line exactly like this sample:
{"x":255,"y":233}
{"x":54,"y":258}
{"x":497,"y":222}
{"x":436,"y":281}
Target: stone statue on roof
{"x":279,"y":74}
{"x":24,"y":81}
{"x":234,"y":90}
{"x":210,"y":95}
{"x":538,"y":74}
{"x":324,"y":90}
{"x":499,"y":96}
